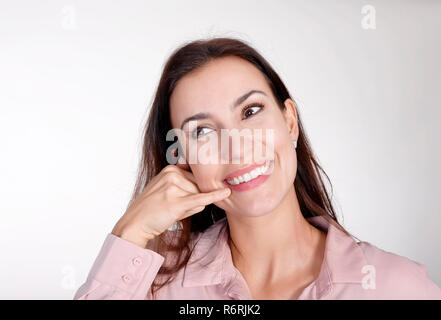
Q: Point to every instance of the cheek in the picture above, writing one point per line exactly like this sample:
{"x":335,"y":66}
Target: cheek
{"x":205,"y":175}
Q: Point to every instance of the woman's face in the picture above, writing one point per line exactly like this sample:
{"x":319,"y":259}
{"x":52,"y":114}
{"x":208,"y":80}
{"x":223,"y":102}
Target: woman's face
{"x":212,"y":90}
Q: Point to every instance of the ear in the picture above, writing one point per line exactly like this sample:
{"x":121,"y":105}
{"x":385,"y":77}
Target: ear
{"x":179,"y":151}
{"x":182,"y":162}
{"x":291,"y":120}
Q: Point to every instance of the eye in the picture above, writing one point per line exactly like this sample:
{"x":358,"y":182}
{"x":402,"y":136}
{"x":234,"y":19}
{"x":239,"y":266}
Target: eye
{"x":195,"y":134}
{"x":252,"y":110}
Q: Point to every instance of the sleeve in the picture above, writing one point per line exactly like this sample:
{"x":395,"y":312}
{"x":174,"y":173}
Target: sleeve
{"x":121,"y":271}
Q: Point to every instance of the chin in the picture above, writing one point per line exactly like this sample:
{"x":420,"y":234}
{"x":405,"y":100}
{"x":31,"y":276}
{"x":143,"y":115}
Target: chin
{"x":253,"y":205}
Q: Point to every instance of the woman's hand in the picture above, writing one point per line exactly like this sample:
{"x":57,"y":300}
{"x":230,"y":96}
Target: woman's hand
{"x":170,"y":196}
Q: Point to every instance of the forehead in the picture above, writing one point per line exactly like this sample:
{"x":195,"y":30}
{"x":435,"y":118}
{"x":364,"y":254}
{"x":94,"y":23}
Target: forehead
{"x":214,"y":86}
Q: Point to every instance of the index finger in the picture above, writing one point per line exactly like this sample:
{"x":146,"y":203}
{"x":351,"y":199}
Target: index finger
{"x":205,"y":198}
{"x":185,"y":169}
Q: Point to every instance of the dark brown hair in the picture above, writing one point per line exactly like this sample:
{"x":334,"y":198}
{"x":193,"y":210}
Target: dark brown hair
{"x":311,"y":191}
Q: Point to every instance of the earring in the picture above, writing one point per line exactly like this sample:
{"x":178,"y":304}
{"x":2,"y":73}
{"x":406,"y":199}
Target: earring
{"x":295,"y":144}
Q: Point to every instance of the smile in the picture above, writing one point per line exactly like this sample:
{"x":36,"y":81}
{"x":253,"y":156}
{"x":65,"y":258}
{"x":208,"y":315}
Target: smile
{"x":253,"y":174}
{"x":249,"y":177}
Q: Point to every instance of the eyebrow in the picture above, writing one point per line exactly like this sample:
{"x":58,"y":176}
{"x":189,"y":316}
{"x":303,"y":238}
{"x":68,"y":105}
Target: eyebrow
{"x":205,"y":115}
{"x":242,"y":98}
{"x":197,"y":116}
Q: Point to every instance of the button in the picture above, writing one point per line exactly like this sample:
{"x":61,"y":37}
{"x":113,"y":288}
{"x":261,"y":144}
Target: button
{"x":127,"y":278}
{"x":137,"y":261}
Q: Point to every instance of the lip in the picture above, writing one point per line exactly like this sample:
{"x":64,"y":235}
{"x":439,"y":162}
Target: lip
{"x":242,"y":171}
{"x":252,"y":183}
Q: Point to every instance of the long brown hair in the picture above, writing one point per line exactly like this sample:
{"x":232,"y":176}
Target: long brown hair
{"x":312,"y":194}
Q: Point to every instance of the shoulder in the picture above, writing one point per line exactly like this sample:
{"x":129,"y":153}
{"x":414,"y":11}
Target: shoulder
{"x":389,"y":261}
{"x":396,"y":276}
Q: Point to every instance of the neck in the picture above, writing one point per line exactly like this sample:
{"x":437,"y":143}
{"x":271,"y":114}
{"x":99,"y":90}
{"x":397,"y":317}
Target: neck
{"x":278,"y":244}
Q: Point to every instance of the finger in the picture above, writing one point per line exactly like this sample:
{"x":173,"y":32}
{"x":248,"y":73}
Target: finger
{"x":174,"y":175}
{"x":172,"y":168}
{"x":187,"y":185}
{"x":186,"y":171}
{"x":189,"y":175}
{"x":204,"y":199}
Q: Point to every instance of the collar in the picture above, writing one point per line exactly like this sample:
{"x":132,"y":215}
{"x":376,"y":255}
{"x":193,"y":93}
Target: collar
{"x":210,"y":262}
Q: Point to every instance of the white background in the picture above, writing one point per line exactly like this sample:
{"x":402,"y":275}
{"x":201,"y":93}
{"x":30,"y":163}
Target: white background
{"x":77,"y":79}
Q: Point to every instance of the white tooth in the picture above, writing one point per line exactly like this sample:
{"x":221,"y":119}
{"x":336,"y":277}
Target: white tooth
{"x":266,"y":167}
{"x":261,"y":170}
{"x":236,"y":181}
{"x":253,"y":174}
{"x":230,"y":181}
{"x":247,"y":177}
{"x":240,"y":178}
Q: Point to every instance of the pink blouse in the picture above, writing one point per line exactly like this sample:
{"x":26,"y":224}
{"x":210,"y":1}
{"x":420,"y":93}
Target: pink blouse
{"x":350,"y":270}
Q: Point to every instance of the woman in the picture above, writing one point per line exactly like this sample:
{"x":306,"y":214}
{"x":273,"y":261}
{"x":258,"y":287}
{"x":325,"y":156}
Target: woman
{"x":234,"y":228}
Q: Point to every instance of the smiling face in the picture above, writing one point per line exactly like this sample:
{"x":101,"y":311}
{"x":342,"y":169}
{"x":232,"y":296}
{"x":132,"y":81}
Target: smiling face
{"x":212,"y":93}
